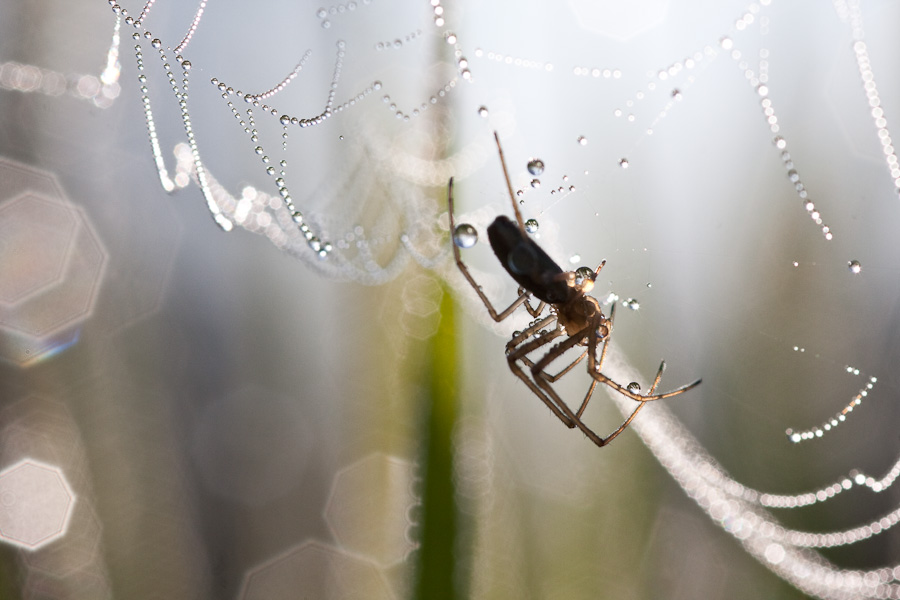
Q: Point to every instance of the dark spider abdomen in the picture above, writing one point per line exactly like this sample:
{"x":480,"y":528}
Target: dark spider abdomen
{"x":527,"y":263}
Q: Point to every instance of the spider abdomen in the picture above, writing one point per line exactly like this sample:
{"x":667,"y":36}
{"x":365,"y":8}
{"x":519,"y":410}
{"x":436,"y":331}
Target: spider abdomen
{"x":527,"y":263}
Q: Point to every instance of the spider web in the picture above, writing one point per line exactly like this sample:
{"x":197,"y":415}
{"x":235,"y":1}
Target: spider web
{"x":737,"y":172}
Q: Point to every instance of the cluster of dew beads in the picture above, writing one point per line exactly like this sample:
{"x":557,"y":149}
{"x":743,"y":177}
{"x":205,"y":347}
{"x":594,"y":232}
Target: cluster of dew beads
{"x":817,"y":432}
{"x":794,"y":178}
{"x":631,"y":303}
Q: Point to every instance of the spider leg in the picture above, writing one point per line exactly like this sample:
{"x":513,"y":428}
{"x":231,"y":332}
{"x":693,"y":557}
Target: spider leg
{"x":534,"y":312}
{"x":512,"y":197}
{"x":645,"y":397}
{"x":497,"y":316}
{"x":554,"y":378}
{"x":515,"y":353}
{"x":633,"y":414}
{"x":594,"y":367}
{"x":541,"y":379}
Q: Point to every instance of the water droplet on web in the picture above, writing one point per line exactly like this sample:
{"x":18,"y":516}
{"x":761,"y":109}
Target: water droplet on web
{"x":676,"y":94}
{"x":535,"y":183}
{"x":631,"y":303}
{"x":583,"y":274}
{"x":531,"y":225}
{"x":535,"y":166}
{"x":623,"y":163}
{"x":483,"y":112}
{"x":854,"y":266}
{"x":465,"y":235}
{"x":582,"y":140}
{"x":634,"y":387}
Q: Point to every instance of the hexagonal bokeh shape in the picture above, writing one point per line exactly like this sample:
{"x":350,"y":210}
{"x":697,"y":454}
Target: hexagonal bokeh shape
{"x":35,"y":504}
{"x":56,"y":308}
{"x":36,"y":236}
{"x":370,"y":506}
{"x":54,"y":263}
{"x":315,"y":570}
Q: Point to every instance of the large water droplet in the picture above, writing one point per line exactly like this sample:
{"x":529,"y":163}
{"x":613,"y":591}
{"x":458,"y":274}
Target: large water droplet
{"x":465,"y":235}
{"x":583,"y":274}
{"x":634,"y":387}
{"x":531,"y":225}
{"x":854,"y":266}
{"x":535,"y":166}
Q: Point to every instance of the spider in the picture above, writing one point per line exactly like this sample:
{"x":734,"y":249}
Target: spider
{"x":577,"y":317}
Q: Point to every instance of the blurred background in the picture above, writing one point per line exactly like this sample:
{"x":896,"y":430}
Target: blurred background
{"x":189,"y":413}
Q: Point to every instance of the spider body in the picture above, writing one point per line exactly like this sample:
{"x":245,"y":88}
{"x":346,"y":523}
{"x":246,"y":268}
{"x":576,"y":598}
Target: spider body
{"x":527,"y":263}
{"x":574,"y":316}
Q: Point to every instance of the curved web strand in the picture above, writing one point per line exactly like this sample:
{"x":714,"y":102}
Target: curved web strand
{"x":817,"y":432}
{"x":736,"y":509}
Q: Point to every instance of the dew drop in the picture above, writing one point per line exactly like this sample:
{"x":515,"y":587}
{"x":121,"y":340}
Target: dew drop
{"x":583,"y":274}
{"x":631,"y":303}
{"x":634,"y":387}
{"x":582,"y":140}
{"x":535,"y":166}
{"x":465,"y":235}
{"x":531,"y":225}
{"x":483,"y":112}
{"x":535,"y":183}
{"x":854,"y":267}
{"x":676,"y":94}
{"x":623,"y":163}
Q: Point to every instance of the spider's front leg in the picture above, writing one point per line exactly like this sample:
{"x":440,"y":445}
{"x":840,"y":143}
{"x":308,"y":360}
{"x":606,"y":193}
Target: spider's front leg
{"x":523,"y":294}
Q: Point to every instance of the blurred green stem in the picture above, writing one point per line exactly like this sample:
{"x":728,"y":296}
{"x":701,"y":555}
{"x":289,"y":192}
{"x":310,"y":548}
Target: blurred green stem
{"x":437,"y":559}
